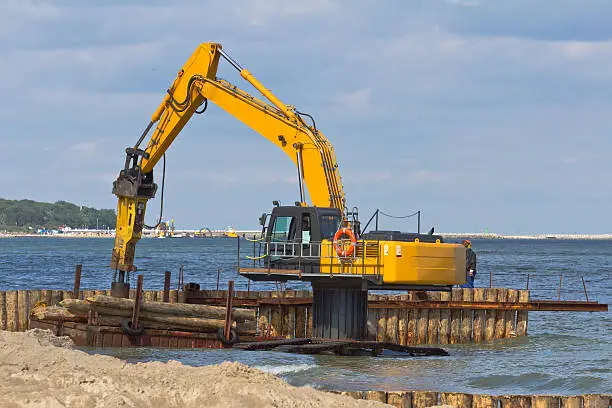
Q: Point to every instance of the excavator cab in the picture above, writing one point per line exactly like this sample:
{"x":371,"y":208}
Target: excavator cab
{"x":293,"y":235}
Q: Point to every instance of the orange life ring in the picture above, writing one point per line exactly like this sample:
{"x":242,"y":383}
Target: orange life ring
{"x":345,"y":253}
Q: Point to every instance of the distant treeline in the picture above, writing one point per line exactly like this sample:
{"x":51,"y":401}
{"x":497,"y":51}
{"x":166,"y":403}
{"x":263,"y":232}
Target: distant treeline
{"x":25,"y":214}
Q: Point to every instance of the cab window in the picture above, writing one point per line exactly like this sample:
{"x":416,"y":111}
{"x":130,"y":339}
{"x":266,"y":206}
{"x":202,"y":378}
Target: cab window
{"x":284,"y":229}
{"x":329,"y":225}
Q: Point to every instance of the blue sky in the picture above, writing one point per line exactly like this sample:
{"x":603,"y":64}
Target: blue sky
{"x":482,"y":114}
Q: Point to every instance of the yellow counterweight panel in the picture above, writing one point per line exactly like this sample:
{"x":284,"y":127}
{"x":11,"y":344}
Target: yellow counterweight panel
{"x":130,"y":221}
{"x":401,"y":263}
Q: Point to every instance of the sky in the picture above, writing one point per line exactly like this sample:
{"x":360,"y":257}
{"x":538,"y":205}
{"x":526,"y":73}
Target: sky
{"x":485,"y":115}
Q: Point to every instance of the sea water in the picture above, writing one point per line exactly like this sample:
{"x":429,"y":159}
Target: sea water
{"x":564,"y":353}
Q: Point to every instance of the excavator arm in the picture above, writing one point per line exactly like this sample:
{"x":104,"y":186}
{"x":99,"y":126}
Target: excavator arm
{"x":195,"y":85}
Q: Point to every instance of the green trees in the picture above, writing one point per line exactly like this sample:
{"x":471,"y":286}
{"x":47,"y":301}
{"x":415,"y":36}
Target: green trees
{"x":25,"y":214}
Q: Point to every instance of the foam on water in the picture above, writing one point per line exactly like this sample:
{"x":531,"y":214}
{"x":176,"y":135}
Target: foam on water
{"x":285,"y":369}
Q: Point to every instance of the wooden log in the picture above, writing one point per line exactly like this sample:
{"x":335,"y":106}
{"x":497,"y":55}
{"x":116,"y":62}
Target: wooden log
{"x":12,"y":310}
{"x":456,"y":400}
{"x":379,"y":396}
{"x":571,"y":402}
{"x":490,"y":296}
{"x":479,"y":317}
{"x":511,"y":314}
{"x":515,"y":401}
{"x":422,"y":325}
{"x":309,"y":321}
{"x":544,"y":401}
{"x":149,"y":295}
{"x":372,"y":321}
{"x":289,"y":317}
{"x":392,"y":323}
{"x":46,"y":296}
{"x":2,"y":310}
{"x":23,"y":305}
{"x":56,"y":297}
{"x":399,"y":399}
{"x":500,"y":318}
{"x":522,"y":316}
{"x":179,"y":309}
{"x":455,"y":331}
{"x":402,"y":323}
{"x":424,"y":399}
{"x":434,"y":319}
{"x":484,"y":401}
{"x":596,"y":401}
{"x":300,"y":321}
{"x":445,"y":318}
{"x":57,"y":313}
{"x":467,"y":317}
{"x":411,"y":336}
{"x":381,"y":334}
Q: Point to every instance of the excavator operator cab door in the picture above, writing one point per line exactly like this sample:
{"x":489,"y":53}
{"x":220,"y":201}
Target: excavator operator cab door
{"x":294,"y":234}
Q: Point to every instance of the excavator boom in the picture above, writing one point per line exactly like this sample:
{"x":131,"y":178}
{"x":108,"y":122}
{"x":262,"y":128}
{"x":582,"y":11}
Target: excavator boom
{"x":195,"y":85}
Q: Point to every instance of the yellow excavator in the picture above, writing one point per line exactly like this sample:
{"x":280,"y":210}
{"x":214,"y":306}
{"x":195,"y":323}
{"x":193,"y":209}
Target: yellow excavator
{"x":316,"y":240}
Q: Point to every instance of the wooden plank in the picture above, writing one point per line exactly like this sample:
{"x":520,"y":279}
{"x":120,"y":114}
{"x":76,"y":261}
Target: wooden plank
{"x":596,"y":401}
{"x":149,"y":295}
{"x":522,"y":316}
{"x":2,"y":310}
{"x":544,"y":401}
{"x":456,"y":400}
{"x":484,"y":401}
{"x":467,"y":317}
{"x":392,"y":323}
{"x":424,"y":399}
{"x":399,"y":399}
{"x":479,"y":317}
{"x":160,"y":296}
{"x":309,"y":321}
{"x":455,"y":331}
{"x":88,"y":293}
{"x":434,"y":319}
{"x":289,"y":317}
{"x":173,"y":296}
{"x":500,"y":318}
{"x":402,"y":323}
{"x":12,"y":310}
{"x":66,"y":294}
{"x":372,"y":322}
{"x":23,"y":306}
{"x":276,"y":319}
{"x":445,"y":319}
{"x":511,"y":314}
{"x":490,"y":296}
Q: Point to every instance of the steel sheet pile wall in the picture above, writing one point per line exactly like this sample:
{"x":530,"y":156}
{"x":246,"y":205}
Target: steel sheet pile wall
{"x":422,"y":399}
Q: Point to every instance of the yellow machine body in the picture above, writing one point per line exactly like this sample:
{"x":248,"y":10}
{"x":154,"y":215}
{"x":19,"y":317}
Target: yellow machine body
{"x":399,"y":262}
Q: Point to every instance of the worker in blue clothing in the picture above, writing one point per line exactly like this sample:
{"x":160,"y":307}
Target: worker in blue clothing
{"x":470,"y":264}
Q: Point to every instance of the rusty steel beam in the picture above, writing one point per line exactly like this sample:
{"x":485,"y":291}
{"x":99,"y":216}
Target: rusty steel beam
{"x":534,"y":305}
{"x":77,"y":281}
{"x":137,"y":302}
{"x":228,"y":310}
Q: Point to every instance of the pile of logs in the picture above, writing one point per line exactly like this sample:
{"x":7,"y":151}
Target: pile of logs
{"x":104,"y":310}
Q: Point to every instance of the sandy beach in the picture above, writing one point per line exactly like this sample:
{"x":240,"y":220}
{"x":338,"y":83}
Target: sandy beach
{"x":38,"y":369}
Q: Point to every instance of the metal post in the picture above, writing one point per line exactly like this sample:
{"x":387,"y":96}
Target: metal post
{"x":228,"y":310}
{"x":560,"y":284}
{"x":238,"y":264}
{"x":586,"y":295}
{"x":377,"y":219}
{"x":527,"y":287}
{"x":77,"y":281}
{"x":419,"y":222}
{"x":490,"y":278}
{"x":298,"y":152}
{"x":137,"y":302}
{"x":218,"y":277}
{"x":166,"y":298}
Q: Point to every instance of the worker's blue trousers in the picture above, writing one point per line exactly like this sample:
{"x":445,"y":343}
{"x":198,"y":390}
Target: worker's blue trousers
{"x":469,"y":282}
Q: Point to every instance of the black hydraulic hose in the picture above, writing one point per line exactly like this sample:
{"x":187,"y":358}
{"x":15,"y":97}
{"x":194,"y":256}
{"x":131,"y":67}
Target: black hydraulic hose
{"x":161,"y":207}
{"x":314,"y":124}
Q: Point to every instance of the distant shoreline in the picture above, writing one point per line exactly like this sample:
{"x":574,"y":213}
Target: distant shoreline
{"x":446,"y":235}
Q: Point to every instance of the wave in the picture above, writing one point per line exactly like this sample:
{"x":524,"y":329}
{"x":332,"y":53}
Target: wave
{"x":285,"y":369}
